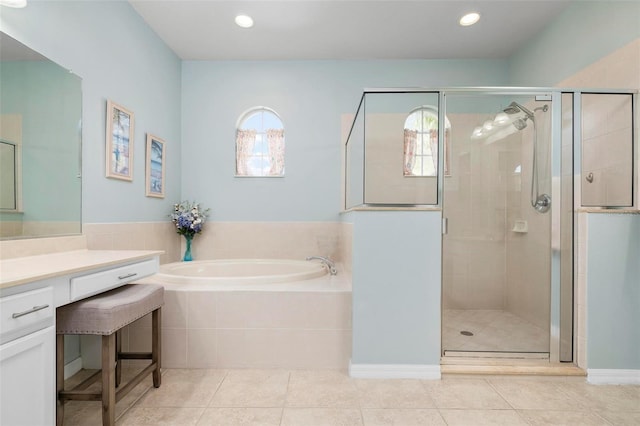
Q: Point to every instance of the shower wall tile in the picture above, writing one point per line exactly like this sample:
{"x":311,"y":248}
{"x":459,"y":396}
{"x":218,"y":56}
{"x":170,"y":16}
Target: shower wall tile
{"x":527,"y":253}
{"x":476,"y":201}
{"x":618,"y":70}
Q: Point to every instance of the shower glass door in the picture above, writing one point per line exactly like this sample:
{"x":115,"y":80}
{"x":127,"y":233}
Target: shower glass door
{"x":497,"y":250}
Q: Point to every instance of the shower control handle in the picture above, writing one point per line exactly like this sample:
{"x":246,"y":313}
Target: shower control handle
{"x":589,"y":177}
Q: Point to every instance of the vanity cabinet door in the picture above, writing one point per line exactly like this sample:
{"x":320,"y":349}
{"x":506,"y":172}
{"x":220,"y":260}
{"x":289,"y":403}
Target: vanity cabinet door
{"x":27,"y":380}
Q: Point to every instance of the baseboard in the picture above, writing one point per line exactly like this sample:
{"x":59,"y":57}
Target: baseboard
{"x":72,"y":368}
{"x":613,"y":377}
{"x":394,"y":371}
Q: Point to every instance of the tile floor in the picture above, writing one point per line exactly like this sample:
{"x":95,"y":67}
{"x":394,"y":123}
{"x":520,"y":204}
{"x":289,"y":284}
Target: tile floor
{"x":310,"y":398}
{"x":493,"y":331}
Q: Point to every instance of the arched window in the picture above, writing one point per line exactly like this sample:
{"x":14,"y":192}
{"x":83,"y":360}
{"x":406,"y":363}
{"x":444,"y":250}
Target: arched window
{"x":260,"y":143}
{"x":421,"y":142}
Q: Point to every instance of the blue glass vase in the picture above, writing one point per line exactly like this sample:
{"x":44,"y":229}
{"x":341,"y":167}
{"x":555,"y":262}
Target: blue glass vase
{"x":187,"y":252}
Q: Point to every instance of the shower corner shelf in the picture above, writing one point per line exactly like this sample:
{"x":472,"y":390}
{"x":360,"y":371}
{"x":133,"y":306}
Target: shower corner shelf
{"x":520,"y":226}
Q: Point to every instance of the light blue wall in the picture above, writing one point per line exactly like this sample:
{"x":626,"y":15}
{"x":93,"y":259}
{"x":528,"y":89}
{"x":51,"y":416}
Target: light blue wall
{"x":396,"y":287}
{"x":310,"y":97}
{"x":120,"y":58}
{"x":613,"y":292}
{"x":49,"y":100}
{"x":585,"y":32}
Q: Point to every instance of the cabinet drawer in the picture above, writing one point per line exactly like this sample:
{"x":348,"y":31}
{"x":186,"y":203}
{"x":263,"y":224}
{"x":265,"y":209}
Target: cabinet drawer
{"x":25,"y":313}
{"x":88,"y":285}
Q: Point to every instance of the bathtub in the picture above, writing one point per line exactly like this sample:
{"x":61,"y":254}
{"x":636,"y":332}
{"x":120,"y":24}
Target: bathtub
{"x":251,"y":313}
{"x":250,"y":275}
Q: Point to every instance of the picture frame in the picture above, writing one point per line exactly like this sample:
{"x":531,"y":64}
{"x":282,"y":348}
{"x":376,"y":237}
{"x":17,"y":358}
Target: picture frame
{"x":119,"y":142}
{"x":155,"y":166}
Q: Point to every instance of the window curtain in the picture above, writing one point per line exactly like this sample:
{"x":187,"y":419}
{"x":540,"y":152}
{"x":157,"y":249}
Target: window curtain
{"x":433,"y":142}
{"x":410,"y":144}
{"x":275,"y":140}
{"x":245,"y":140}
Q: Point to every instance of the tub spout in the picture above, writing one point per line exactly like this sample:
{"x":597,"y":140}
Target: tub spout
{"x":327,"y":262}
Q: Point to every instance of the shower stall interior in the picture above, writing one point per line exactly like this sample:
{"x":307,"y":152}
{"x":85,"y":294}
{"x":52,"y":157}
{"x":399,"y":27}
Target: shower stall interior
{"x":501,"y":164}
{"x":497,"y":251}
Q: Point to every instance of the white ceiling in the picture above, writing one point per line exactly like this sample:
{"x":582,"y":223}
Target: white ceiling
{"x":346,"y":29}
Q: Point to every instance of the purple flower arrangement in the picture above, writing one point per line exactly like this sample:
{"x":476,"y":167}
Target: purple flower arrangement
{"x":188,"y":218}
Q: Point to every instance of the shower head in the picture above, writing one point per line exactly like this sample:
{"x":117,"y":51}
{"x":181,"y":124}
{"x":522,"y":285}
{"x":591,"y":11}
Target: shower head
{"x":520,"y":123}
{"x":515,"y":108}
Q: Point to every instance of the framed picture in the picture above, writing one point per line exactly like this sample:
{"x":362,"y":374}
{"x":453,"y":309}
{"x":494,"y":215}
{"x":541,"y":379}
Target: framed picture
{"x":119,"y":144}
{"x":155,"y":166}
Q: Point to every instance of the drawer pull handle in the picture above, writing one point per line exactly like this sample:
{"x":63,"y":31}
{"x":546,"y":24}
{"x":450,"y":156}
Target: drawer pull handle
{"x":30,"y":311}
{"x":124,"y":277}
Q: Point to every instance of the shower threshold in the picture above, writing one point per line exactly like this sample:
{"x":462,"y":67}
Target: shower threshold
{"x":500,"y":355}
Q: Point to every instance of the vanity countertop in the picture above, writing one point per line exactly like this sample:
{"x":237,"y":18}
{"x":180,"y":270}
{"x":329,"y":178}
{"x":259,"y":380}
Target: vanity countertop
{"x":22,"y":270}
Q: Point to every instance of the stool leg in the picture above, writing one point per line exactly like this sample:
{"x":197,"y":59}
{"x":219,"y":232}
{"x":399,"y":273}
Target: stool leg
{"x":59,"y":378}
{"x":156,"y":345}
{"x":108,"y":380}
{"x":118,"y":360}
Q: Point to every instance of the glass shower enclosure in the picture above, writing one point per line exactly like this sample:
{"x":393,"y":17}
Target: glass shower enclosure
{"x":501,"y":164}
{"x":497,"y":201}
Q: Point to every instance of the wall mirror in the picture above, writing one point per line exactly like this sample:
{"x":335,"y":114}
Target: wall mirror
{"x":40,"y":149}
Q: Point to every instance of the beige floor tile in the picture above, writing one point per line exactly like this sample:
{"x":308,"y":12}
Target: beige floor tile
{"x":241,"y":417}
{"x":554,"y":417}
{"x":322,"y":389}
{"x":464,"y":393}
{"x":393,"y":394}
{"x":604,"y":397}
{"x":184,"y":388}
{"x":402,"y":417}
{"x":535,"y":395}
{"x":139,"y":416}
{"x":321,"y":417}
{"x":82,"y":413}
{"x":621,"y":418}
{"x":482,"y":417}
{"x":252,"y":388}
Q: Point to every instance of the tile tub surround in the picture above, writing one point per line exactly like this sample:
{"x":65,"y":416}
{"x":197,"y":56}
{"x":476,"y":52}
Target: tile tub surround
{"x":251,"y":329}
{"x":313,"y":397}
{"x":135,"y":236}
{"x":228,"y":240}
{"x":269,"y":240}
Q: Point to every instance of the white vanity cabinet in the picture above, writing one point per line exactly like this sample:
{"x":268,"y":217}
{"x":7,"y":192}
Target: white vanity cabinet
{"x":27,"y":358}
{"x":28,"y":379}
{"x":30,"y":292}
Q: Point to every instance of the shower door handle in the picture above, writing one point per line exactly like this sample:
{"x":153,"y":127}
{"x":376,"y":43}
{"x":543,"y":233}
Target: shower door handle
{"x":445,"y":226}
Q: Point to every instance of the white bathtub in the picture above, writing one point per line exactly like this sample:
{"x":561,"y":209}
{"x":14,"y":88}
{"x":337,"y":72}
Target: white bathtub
{"x":251,"y":313}
{"x":250,"y":275}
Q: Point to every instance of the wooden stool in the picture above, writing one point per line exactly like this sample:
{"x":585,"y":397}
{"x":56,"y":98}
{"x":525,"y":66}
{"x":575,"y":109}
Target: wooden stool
{"x":105,"y":315}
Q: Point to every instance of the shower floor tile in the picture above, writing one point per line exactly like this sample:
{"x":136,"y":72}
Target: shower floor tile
{"x":492,"y":331}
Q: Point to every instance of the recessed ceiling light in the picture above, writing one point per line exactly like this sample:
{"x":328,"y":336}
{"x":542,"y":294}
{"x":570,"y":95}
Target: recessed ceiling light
{"x":469,"y":19}
{"x":13,"y":3}
{"x":244,"y":21}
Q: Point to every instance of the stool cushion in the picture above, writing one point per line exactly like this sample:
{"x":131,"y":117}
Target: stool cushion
{"x":108,"y":312}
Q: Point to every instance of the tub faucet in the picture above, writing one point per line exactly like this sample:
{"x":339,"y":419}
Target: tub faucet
{"x":327,"y":262}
